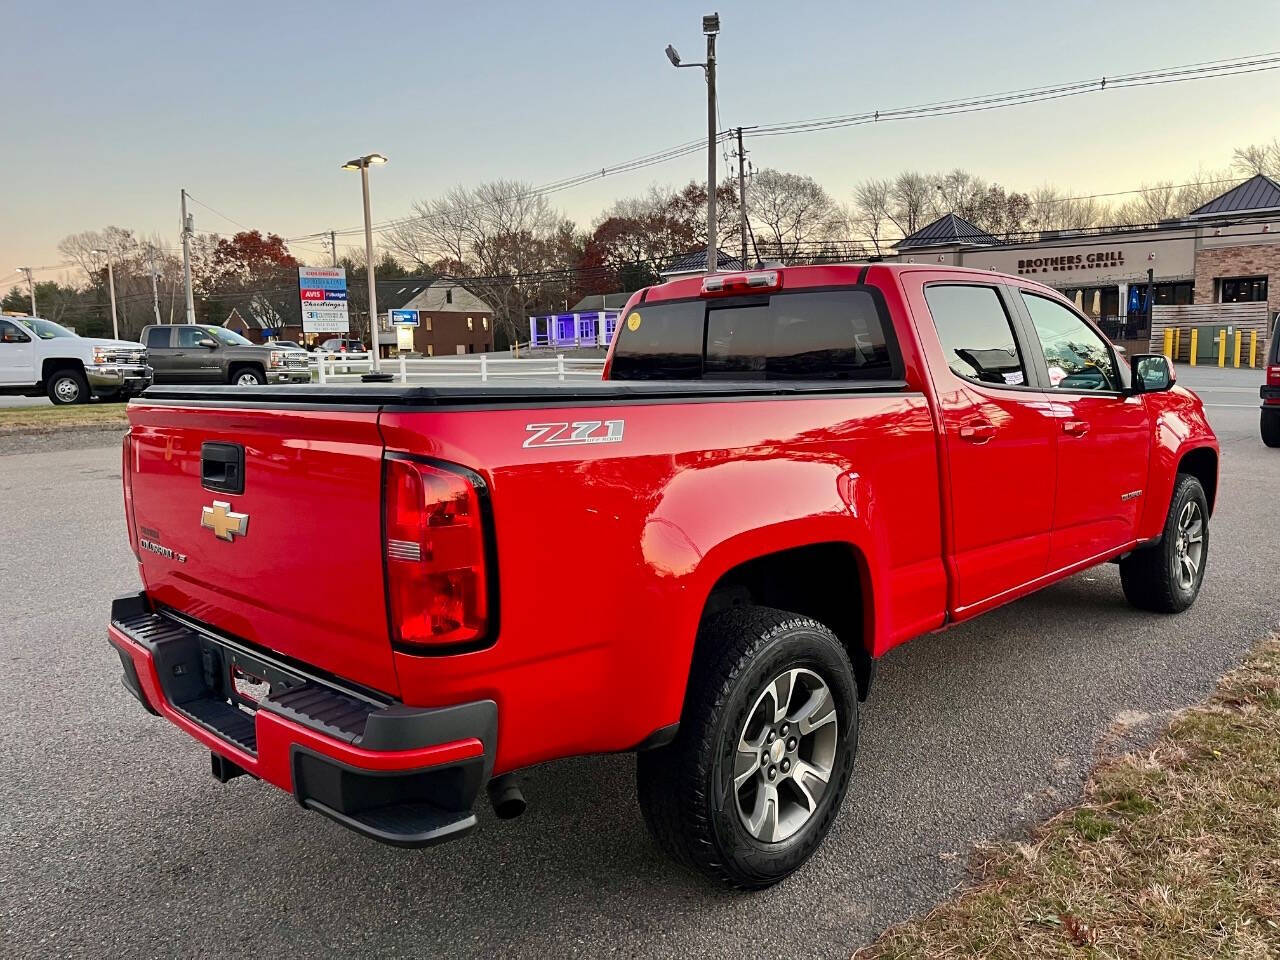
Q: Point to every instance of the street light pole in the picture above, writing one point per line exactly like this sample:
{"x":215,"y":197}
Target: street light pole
{"x":32,"y":285}
{"x":362,"y":164}
{"x":111,"y":285}
{"x":711,"y":27}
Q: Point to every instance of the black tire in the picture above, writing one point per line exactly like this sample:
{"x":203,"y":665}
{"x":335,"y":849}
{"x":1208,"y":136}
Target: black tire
{"x":1271,"y":427}
{"x":241,"y":374}
{"x":1150,"y":577}
{"x":686,"y":789}
{"x":67,"y":387}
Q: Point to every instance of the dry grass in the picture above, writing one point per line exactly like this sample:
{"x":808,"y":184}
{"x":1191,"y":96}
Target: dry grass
{"x":37,"y":419}
{"x":1172,"y":853}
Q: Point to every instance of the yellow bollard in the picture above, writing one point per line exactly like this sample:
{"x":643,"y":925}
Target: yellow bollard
{"x":1253,"y":348}
{"x":1195,"y":344}
{"x":1177,"y":343}
{"x":1168,"y":342}
{"x":1222,"y":347}
{"x":1239,"y":343}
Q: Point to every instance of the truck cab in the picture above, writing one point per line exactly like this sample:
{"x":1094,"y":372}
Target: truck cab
{"x":39,"y":357}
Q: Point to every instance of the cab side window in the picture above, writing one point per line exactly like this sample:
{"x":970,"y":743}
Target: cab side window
{"x":12,"y":333}
{"x":158,"y":338}
{"x":1077,"y":357}
{"x":976,"y":334}
{"x":191,"y":336}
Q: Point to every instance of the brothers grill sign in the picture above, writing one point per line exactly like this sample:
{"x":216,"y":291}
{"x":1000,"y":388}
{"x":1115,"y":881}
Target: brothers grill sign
{"x":1097,"y":260}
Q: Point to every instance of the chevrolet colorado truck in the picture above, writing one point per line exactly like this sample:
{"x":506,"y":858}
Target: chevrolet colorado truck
{"x":783,"y":475}
{"x":190,"y":353}
{"x":41,"y":358}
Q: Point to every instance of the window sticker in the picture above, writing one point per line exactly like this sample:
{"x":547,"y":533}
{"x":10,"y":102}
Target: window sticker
{"x":1056,"y":375}
{"x":633,"y":322}
{"x":1014,"y":379}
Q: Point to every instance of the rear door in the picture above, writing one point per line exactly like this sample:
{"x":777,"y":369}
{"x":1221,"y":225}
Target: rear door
{"x":998,"y":433}
{"x":160,"y":353}
{"x":1104,"y":437}
{"x":286,"y":555}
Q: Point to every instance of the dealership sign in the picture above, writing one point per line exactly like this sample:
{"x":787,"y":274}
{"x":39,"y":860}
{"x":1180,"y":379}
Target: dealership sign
{"x":1095,"y":260}
{"x":323,"y":291}
{"x":403,"y":318}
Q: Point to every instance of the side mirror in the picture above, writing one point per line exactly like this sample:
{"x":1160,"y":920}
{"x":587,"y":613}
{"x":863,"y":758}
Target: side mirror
{"x":1152,"y":373}
{"x":208,"y":342}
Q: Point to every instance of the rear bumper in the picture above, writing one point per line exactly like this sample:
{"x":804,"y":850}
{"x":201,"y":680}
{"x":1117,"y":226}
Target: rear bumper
{"x":407,"y":776}
{"x":1270,"y":395}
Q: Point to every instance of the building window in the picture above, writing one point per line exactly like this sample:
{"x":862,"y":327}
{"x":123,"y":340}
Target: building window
{"x":470,"y":324}
{"x":426,"y":324}
{"x":431,"y":350}
{"x":1242,"y":289}
{"x":484,"y":322}
{"x":448,"y":296}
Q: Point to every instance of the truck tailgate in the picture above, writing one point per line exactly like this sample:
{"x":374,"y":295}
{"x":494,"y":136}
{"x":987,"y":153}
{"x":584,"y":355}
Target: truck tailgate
{"x":294,"y":562}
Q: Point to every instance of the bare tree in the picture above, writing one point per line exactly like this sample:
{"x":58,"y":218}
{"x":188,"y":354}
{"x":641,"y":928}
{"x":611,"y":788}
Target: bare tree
{"x":870,"y":218}
{"x":790,"y":212}
{"x":911,"y":201}
{"x":1263,"y":158}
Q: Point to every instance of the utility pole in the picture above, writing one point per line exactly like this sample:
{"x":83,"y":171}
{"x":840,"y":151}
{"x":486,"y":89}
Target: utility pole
{"x":742,"y":197}
{"x":362,"y":164}
{"x":155,"y":285}
{"x":333,"y":247}
{"x":111,"y":285}
{"x":32,"y":285}
{"x":186,"y":258}
{"x":711,"y":27}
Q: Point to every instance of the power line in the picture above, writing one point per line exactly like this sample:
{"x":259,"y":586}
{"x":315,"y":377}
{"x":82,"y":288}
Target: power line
{"x":218,"y":212}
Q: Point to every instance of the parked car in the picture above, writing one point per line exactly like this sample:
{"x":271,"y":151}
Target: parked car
{"x":191,"y":353}
{"x":285,"y":345}
{"x":1270,"y":391}
{"x":341,"y":345}
{"x":784,"y":475}
{"x":39,"y":357}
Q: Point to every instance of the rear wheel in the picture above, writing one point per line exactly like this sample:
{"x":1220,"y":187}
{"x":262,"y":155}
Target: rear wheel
{"x":1166,"y":578}
{"x":1271,"y":427}
{"x":247,"y":377}
{"x":751,"y":784}
{"x":66,"y":387}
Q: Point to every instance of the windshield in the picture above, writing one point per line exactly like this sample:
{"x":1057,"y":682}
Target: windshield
{"x":229,"y":337}
{"x":45,"y":329}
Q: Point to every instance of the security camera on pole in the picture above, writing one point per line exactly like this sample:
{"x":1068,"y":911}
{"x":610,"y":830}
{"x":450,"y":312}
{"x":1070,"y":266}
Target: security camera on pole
{"x":710,"y":27}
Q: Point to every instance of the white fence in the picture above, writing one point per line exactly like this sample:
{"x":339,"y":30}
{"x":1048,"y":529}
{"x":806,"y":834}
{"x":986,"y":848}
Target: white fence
{"x":348,"y":367}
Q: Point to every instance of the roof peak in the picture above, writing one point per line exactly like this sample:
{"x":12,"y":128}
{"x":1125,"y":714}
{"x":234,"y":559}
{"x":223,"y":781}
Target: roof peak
{"x":1258,"y":193}
{"x":949,"y":229}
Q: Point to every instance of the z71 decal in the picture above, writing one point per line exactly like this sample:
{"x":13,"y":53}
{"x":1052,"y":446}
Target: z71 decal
{"x":578,"y":432}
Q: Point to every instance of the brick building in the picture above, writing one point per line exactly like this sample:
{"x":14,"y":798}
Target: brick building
{"x":451,"y":319}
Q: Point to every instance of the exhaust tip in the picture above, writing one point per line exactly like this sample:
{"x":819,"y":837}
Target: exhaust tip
{"x":506,"y":796}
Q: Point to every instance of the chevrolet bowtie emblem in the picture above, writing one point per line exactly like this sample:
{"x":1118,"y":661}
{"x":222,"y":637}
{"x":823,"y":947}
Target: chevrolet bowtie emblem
{"x":225,"y":523}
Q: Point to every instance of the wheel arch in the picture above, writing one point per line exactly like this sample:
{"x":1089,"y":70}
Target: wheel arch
{"x":829,"y":581}
{"x":235,"y":366}
{"x":51,"y":365}
{"x":1202,"y":463}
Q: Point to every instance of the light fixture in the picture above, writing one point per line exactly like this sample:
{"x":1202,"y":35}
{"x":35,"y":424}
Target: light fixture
{"x":359,"y":163}
{"x":673,"y":55}
{"x":711,"y":24}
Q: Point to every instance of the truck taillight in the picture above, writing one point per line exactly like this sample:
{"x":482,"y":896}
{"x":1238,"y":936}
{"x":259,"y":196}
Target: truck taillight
{"x":126,"y":475}
{"x":437,"y":573}
{"x":1273,"y":376}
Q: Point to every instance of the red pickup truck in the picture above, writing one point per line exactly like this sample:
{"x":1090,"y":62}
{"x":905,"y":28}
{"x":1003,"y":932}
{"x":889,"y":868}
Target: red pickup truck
{"x":384,"y":599}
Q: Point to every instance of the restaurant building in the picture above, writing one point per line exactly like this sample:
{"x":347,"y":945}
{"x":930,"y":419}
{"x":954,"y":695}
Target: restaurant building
{"x":1223,"y":253}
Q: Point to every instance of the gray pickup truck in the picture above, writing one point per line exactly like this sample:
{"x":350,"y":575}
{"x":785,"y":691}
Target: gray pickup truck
{"x":193,"y":353}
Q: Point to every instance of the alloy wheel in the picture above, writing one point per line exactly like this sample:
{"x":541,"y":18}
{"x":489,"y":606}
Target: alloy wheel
{"x":1188,"y":548}
{"x":785,"y":756}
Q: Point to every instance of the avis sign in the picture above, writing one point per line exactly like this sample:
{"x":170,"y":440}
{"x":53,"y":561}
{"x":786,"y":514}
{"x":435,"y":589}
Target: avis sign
{"x":323,"y":292}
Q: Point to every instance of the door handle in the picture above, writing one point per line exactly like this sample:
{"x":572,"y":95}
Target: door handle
{"x":979,"y":432}
{"x":1075,"y":428}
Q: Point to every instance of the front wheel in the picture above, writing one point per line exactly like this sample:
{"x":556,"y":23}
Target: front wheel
{"x":247,"y":377}
{"x":66,"y":387}
{"x":756,"y":775}
{"x":1271,"y":427}
{"x":1166,"y":578}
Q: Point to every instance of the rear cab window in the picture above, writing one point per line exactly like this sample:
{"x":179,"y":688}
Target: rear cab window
{"x":803,"y":335}
{"x":976,"y":334}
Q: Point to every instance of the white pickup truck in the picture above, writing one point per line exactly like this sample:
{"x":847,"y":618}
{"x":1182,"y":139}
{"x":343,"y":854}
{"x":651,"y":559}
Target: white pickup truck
{"x":38,"y":357}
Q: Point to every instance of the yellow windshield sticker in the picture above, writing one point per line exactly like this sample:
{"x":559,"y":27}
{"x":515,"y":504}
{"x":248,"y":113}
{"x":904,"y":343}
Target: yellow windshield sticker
{"x":633,"y":322}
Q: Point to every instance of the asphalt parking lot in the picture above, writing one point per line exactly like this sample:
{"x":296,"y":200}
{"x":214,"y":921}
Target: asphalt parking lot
{"x":117,"y":842}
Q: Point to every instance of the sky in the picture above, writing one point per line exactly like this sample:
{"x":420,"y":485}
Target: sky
{"x":112,"y":108}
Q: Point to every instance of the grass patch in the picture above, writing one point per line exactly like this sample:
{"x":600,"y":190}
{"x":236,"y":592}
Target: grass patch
{"x":37,"y":419}
{"x":1173,"y":852}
